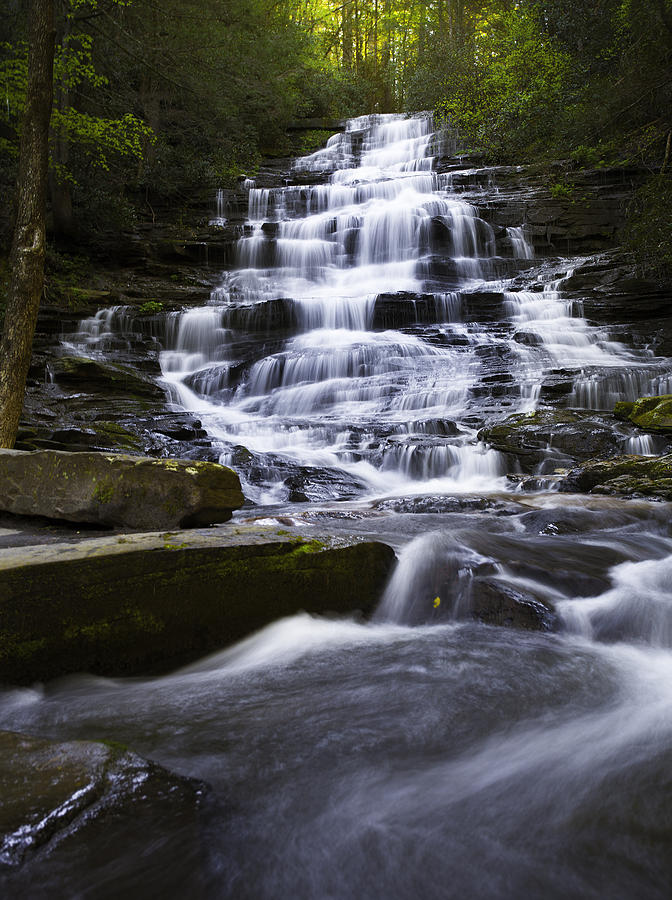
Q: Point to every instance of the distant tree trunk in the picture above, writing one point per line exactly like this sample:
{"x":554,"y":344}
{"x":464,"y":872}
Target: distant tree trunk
{"x":26,"y":261}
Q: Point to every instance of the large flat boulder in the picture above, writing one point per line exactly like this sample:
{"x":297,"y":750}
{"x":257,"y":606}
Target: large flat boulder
{"x":138,"y":603}
{"x":117,"y":490}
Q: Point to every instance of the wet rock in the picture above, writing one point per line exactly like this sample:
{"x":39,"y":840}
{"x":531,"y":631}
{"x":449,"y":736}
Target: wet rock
{"x":320,"y":485}
{"x":52,"y":789}
{"x":557,"y":385}
{"x":265,"y":316}
{"x":301,"y":483}
{"x":441,"y":271}
{"x":441,"y":427}
{"x":72,"y":809}
{"x":652,"y":414}
{"x":497,"y":603}
{"x":139,"y":602}
{"x":611,"y":290}
{"x":623,"y":476}
{"x":437,"y":504}
{"x":405,"y":308}
{"x":559,"y":434}
{"x":116,"y":490}
{"x":483,"y":306}
{"x":91,"y":376}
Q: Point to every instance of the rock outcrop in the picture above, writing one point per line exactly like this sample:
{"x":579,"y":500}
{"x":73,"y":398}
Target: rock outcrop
{"x":116,"y":490}
{"x":623,"y":476}
{"x":136,"y":603}
{"x":555,"y":436}
{"x":652,"y":414}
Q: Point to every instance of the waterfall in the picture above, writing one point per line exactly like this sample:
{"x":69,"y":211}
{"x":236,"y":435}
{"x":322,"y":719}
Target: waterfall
{"x":370,"y":297}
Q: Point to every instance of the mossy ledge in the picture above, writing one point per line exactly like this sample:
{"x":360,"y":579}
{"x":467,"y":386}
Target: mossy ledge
{"x":652,"y":414}
{"x":623,"y":476}
{"x":146,"y":603}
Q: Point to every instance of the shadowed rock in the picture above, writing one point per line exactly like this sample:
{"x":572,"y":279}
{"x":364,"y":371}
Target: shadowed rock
{"x":145,"y":602}
{"x":623,"y":476}
{"x":71,"y":808}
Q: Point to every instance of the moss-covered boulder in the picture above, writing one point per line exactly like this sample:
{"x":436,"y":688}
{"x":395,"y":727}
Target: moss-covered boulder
{"x":560,"y":434}
{"x":66,"y":803}
{"x":117,"y":490}
{"x":652,"y":414}
{"x":623,"y":476}
{"x":143,"y":602}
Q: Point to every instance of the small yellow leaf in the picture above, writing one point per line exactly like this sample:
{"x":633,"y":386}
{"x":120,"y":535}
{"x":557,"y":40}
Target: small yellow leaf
{"x":437,"y":601}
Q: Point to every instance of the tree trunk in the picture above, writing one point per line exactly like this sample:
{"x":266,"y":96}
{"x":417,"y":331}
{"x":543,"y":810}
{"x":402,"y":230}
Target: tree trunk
{"x":26,"y":261}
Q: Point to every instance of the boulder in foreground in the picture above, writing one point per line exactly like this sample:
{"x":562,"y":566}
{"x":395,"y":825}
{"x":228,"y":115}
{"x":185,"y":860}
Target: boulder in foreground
{"x":117,"y":490}
{"x":139,"y":603}
{"x":72,"y":808}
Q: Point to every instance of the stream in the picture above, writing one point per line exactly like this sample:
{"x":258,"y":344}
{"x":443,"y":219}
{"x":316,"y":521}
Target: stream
{"x":373,"y":325}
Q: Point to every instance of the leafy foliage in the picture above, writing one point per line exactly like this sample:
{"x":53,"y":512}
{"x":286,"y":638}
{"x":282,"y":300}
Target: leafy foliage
{"x":160,"y":103}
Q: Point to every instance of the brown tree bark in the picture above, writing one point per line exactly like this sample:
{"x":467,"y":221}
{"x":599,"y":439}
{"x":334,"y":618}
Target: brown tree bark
{"x":26,"y":261}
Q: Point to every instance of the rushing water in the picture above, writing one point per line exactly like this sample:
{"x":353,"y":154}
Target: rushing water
{"x":420,"y":755}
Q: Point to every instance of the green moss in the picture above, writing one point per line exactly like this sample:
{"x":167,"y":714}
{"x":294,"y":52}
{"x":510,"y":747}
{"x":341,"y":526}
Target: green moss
{"x":119,"y":436}
{"x":313,"y":546}
{"x":104,"y":492}
{"x":12,"y":648}
{"x":652,"y":414}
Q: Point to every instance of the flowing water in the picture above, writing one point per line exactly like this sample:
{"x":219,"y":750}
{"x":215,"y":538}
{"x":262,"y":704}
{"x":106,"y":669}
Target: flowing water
{"x":369,"y":330}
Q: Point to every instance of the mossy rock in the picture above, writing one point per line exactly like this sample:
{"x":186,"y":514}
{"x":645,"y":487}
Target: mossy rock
{"x":116,"y":490}
{"x":652,"y":414}
{"x":529,"y":436}
{"x":143,"y":603}
{"x":624,"y":476}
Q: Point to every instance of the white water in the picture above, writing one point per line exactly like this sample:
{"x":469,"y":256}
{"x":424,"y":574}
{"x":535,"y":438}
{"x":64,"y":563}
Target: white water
{"x":395,"y":315}
{"x":344,"y":392}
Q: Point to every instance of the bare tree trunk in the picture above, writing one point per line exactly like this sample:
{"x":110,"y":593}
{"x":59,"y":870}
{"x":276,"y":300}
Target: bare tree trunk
{"x":26,"y":261}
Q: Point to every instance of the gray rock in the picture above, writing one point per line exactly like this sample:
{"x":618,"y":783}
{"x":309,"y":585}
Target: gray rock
{"x":116,"y":490}
{"x":558,"y":435}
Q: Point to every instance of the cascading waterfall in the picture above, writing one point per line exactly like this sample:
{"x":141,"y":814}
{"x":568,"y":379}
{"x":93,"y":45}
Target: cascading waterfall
{"x":384,"y":297}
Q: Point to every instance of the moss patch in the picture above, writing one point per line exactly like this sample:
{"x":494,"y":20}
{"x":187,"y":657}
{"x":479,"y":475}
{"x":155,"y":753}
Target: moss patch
{"x":625,"y":476}
{"x":652,"y":414}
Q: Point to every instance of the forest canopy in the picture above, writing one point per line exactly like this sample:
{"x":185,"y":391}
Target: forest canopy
{"x":157,"y":99}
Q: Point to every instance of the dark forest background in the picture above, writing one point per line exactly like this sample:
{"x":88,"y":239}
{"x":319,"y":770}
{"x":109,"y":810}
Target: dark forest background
{"x":159,"y":101}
